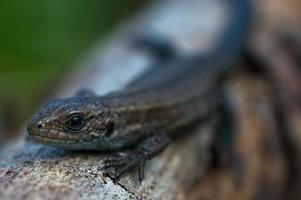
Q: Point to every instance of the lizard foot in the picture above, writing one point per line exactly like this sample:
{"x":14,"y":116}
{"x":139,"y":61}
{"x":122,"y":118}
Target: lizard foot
{"x":144,"y":151}
{"x":122,"y":163}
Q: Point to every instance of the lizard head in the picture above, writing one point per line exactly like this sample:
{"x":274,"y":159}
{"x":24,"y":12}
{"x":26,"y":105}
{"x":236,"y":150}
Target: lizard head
{"x":72,"y":123}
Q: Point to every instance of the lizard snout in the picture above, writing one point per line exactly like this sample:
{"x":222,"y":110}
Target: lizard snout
{"x":33,"y":128}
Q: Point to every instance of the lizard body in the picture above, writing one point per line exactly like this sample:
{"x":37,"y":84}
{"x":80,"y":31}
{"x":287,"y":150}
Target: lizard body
{"x":147,"y":112}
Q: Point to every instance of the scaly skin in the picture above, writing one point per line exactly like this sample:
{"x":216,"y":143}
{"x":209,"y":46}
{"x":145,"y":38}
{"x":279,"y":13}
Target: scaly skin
{"x":146,"y":112}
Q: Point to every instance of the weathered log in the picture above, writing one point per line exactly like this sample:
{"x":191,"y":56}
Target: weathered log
{"x":276,"y":48}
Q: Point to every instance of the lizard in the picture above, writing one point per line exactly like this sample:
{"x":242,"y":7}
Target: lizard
{"x":144,"y":115}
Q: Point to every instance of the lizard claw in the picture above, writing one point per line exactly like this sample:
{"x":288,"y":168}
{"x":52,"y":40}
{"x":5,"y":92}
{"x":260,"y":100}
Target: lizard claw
{"x":122,"y":163}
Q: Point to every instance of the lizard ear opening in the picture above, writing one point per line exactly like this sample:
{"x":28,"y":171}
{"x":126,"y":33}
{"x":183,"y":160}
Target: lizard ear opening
{"x":110,"y":129}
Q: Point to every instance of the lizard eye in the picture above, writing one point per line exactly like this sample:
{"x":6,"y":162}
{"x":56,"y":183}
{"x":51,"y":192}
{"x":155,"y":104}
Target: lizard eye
{"x":75,"y":123}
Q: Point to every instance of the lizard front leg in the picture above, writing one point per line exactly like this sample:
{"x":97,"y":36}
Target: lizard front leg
{"x":145,"y":150}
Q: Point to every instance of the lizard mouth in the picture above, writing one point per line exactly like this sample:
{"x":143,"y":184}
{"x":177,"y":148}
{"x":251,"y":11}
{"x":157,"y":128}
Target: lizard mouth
{"x":89,"y":144}
{"x":51,"y":140}
{"x":57,"y":141}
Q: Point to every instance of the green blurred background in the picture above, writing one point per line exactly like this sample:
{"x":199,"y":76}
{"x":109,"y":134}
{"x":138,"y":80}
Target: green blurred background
{"x":39,"y":40}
